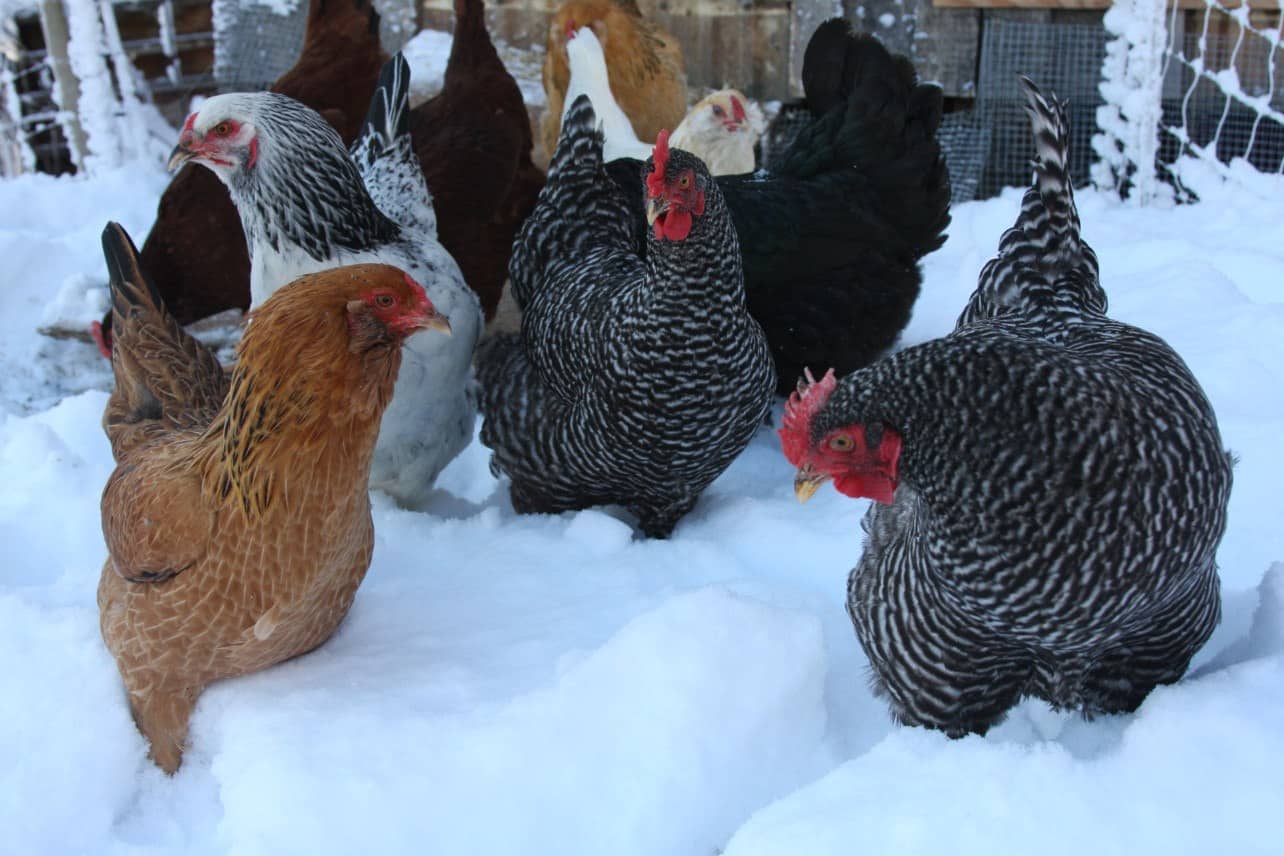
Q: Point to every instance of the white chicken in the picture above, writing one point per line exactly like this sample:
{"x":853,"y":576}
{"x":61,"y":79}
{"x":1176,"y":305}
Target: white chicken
{"x":308,"y":205}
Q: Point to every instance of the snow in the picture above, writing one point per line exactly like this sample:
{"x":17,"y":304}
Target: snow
{"x":1132,"y":85}
{"x":551,"y":684}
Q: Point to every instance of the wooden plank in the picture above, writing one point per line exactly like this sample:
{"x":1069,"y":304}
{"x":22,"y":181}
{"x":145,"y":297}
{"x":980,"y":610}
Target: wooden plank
{"x":1271,"y":5}
{"x":946,"y":44}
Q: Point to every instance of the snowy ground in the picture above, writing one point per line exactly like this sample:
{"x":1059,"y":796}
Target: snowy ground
{"x":550,"y":685}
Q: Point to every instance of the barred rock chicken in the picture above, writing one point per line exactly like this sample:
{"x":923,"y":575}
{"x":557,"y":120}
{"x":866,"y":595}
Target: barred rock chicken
{"x":237,"y":520}
{"x":833,"y":233}
{"x":632,"y":381}
{"x":1051,"y":488}
{"x":648,"y":78}
{"x":306,"y":206}
{"x":196,"y":249}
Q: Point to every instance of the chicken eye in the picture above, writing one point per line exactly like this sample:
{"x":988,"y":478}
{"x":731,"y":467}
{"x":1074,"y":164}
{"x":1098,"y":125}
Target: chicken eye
{"x":384,"y":301}
{"x":842,"y":443}
{"x":684,"y":182}
{"x":222,"y":129}
{"x":718,"y":111}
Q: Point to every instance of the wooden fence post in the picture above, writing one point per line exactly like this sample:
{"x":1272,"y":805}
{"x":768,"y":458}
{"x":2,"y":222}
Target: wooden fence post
{"x":53,"y":21}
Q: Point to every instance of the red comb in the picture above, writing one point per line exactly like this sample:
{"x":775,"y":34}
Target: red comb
{"x":571,"y":29}
{"x":805,"y":403}
{"x":655,"y":181}
{"x":737,"y":109}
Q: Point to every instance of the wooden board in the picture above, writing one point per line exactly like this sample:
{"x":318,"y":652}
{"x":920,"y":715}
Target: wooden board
{"x":1086,"y":4}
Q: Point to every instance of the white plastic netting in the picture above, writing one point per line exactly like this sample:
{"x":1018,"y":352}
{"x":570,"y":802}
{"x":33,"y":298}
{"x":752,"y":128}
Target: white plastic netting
{"x":1192,"y":86}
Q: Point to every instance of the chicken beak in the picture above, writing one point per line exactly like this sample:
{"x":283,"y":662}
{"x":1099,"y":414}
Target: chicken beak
{"x":436,"y":321}
{"x":807,"y":482}
{"x":181,"y":155}
{"x":655,"y":206}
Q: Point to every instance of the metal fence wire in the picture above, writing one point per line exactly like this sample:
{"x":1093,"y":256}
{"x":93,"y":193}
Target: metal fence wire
{"x":1061,"y":58}
{"x":1223,"y":94}
{"x":254,"y":44}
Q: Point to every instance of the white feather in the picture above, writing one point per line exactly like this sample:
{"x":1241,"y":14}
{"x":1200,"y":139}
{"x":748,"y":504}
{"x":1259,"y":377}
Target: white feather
{"x":589,"y":77}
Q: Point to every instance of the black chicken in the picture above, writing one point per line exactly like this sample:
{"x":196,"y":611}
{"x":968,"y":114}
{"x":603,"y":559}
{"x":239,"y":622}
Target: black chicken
{"x":832,"y":232}
{"x":1056,"y":482}
{"x":633,"y":381}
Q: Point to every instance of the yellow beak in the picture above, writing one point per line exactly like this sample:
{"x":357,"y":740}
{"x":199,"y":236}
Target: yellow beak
{"x":437,"y":321}
{"x":807,"y":482}
{"x":179,"y":156}
{"x":655,"y":206}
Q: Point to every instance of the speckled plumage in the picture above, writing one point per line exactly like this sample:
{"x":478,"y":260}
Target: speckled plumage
{"x":632,"y":382}
{"x":1063,"y":489}
{"x":237,"y":520}
{"x":307,"y":205}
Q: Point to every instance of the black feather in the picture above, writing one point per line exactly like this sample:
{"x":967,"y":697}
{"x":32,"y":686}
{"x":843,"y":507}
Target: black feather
{"x":1063,"y":489}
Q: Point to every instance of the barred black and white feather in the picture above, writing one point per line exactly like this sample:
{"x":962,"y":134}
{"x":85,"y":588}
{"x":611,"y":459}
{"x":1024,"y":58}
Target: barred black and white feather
{"x":832,"y":233}
{"x":633,"y":381}
{"x":308,"y":205}
{"x":385,"y":155}
{"x":1062,"y":490}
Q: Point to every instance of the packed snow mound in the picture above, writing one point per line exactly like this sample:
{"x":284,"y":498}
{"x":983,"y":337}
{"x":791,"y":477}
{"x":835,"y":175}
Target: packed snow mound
{"x":1196,"y":770}
{"x":664,"y":709}
{"x":514,"y":684}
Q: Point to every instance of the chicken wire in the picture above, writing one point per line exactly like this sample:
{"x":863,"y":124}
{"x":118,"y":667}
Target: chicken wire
{"x":965,"y":141}
{"x":1224,"y":88}
{"x":1062,"y":58}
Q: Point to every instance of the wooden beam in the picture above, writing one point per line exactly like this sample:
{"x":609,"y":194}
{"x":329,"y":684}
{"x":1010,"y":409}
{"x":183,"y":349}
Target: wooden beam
{"x":1087,"y":4}
{"x":53,"y":22}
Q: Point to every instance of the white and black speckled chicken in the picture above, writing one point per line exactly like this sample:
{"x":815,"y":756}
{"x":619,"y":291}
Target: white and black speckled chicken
{"x":632,"y":381}
{"x":832,"y":234}
{"x":1051,"y":488}
{"x":308,"y":205}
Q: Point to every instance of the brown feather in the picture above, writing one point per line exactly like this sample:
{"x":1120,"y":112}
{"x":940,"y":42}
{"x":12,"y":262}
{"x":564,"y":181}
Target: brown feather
{"x":644,"y":65}
{"x":237,"y":539}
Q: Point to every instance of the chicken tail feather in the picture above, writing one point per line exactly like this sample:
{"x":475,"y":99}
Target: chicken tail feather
{"x":389,"y":114}
{"x":165,"y":379}
{"x":1051,"y":133}
{"x":130,"y":285}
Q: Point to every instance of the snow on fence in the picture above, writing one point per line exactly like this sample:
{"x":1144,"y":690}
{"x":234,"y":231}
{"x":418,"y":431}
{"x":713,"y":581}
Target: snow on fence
{"x":1195,"y":87}
{"x":16,"y":156}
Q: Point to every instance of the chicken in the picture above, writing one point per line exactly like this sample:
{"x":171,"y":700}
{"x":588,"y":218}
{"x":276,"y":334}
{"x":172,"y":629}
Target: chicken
{"x":196,"y":249}
{"x":473,"y":140}
{"x":833,"y":233}
{"x":646,"y":70}
{"x":1050,"y":487}
{"x":632,"y":381}
{"x":307,"y":205}
{"x":721,"y":129}
{"x":237,"y":519}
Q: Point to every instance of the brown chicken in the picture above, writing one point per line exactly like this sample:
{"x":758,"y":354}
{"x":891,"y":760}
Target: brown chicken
{"x":644,"y":63}
{"x":473,"y":140}
{"x":237,"y":520}
{"x":196,"y":250}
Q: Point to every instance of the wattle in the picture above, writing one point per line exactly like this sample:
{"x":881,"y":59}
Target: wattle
{"x":869,"y":485}
{"x":674,"y":225}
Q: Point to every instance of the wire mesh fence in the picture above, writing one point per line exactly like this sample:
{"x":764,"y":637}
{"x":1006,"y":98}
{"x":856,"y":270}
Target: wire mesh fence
{"x":1224,"y":88}
{"x":1064,"y":59}
{"x":256,"y":43}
